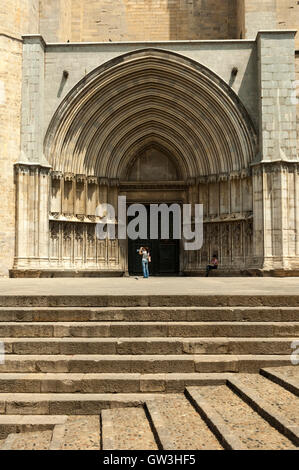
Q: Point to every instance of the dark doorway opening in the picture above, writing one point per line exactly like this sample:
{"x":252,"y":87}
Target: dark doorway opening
{"x":165,"y":253}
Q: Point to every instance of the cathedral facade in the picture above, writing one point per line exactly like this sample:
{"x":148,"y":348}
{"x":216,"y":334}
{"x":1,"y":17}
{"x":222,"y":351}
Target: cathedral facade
{"x":161,"y":101}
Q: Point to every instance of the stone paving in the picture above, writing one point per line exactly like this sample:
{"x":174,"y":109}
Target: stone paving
{"x":152,"y":286}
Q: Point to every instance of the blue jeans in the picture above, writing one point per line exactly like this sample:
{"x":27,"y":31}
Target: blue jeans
{"x":145,"y":268}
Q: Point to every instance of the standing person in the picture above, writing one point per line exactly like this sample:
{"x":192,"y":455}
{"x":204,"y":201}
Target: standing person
{"x":144,"y":252}
{"x":213,"y":265}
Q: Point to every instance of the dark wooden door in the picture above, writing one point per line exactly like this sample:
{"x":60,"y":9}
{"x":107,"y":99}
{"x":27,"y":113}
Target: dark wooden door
{"x":165,"y":255}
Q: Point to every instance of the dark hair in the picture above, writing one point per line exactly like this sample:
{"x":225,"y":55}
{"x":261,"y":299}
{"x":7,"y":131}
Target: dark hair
{"x":215,"y":256}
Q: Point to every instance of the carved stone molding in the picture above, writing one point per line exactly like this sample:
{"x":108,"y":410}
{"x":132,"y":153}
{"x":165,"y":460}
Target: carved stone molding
{"x":56,"y":175}
{"x":80,"y":178}
{"x":191,"y":181}
{"x":21,"y":169}
{"x":275,"y":167}
{"x":223,"y":177}
{"x":92,"y":179}
{"x":114,"y":182}
{"x":31,"y":168}
{"x":69,"y":176}
{"x":206,"y":179}
{"x":103,"y":181}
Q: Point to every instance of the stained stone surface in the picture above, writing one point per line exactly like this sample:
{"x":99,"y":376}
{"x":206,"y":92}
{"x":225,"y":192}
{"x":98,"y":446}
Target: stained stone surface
{"x":281,"y":401}
{"x":132,"y":430}
{"x":82,"y":433}
{"x":185,"y":427}
{"x":243,"y":421}
{"x":39,"y":440}
{"x":291,"y":372}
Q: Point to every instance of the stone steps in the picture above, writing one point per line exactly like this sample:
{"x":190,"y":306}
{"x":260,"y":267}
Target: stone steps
{"x":146,"y":314}
{"x":69,"y":403}
{"x":152,"y":300}
{"x":12,"y":424}
{"x":78,"y":356}
{"x":50,"y":432}
{"x":275,"y":404}
{"x":148,"y":329}
{"x":210,"y":417}
{"x":105,"y":383}
{"x":143,"y":364}
{"x":236,"y":423}
{"x":288,"y":381}
{"x":232,"y":414}
{"x":133,"y":346}
{"x":126,"y":429}
{"x":33,"y":440}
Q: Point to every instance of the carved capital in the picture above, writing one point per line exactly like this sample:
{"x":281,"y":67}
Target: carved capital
{"x":92,"y":179}
{"x":69,"y":176}
{"x":202,"y":179}
{"x":103,"y":181}
{"x":80,"y":178}
{"x":21,"y":169}
{"x":234,"y":175}
{"x":56,"y":175}
{"x":114,"y":182}
{"x":212,"y":179}
{"x":275,"y":167}
{"x":223,"y":177}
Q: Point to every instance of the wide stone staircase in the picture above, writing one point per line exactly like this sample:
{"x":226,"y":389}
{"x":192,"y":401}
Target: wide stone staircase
{"x":131,"y":358}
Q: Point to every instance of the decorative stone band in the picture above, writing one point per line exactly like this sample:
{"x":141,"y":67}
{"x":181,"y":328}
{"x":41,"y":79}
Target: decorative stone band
{"x":80,"y":178}
{"x":275,"y":167}
{"x":57,"y":175}
{"x":31,"y":168}
{"x":92,"y":219}
{"x":116,"y":182}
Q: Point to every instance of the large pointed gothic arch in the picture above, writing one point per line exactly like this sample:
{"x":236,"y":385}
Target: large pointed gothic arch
{"x":150,"y":95}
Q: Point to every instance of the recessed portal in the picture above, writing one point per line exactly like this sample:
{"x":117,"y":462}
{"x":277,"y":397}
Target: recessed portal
{"x":165,"y":254}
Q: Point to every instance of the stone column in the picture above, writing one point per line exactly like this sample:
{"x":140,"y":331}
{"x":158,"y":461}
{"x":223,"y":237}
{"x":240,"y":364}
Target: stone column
{"x":273,"y":191}
{"x":32,"y":221}
{"x":32,"y":172}
{"x":32,"y":112}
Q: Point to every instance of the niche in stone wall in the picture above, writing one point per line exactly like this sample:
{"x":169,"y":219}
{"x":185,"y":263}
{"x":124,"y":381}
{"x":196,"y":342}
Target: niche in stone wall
{"x":56,"y":195}
{"x":68,"y":197}
{"x":80,"y":194}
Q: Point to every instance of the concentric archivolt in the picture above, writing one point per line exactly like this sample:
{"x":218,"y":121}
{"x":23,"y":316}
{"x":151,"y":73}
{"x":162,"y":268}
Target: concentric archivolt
{"x":150,"y":96}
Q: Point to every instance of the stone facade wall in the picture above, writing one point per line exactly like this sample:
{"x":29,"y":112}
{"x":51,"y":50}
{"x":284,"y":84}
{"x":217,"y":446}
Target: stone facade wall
{"x":288,"y":16}
{"x":257,"y":15}
{"x":297,"y":94}
{"x":16,"y":18}
{"x":56,"y":20}
{"x":81,"y":59}
{"x":137,"y":20}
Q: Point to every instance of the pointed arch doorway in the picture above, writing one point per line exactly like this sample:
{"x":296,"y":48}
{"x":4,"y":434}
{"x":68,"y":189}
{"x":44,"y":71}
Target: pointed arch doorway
{"x":153,"y":176}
